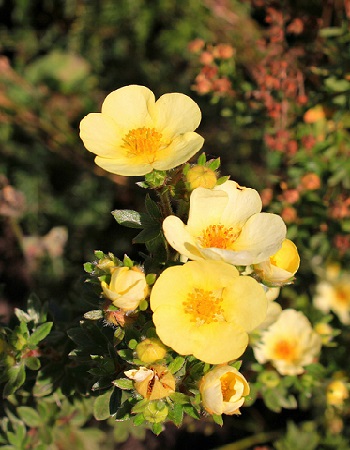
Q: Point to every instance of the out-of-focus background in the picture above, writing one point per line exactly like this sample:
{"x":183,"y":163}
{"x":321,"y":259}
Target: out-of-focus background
{"x":272,"y":79}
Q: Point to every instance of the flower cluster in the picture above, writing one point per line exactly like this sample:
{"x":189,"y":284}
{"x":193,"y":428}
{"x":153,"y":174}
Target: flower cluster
{"x":183,"y":317}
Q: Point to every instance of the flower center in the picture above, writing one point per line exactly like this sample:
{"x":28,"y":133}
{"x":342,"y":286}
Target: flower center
{"x":228,"y":382}
{"x":143,"y":142}
{"x":218,"y":236}
{"x":285,"y":349}
{"x":203,"y":307}
{"x":343,"y":295}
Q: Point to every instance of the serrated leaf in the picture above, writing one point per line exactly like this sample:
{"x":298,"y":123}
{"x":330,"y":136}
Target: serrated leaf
{"x":101,"y":406}
{"x":128,"y":218}
{"x":39,"y":334}
{"x":29,"y":416}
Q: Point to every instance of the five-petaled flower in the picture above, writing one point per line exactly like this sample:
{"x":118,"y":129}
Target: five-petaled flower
{"x":208,"y":310}
{"x":134,"y":134}
{"x":223,"y":390}
{"x":225,"y":223}
{"x":290,"y":343}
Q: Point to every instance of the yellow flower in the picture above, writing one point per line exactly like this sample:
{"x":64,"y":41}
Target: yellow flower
{"x":225,"y":224}
{"x":280,"y":267}
{"x":201,"y":176}
{"x":223,"y":390}
{"x":334,"y":296}
{"x":150,"y":350}
{"x":126,"y":288}
{"x":205,"y":309}
{"x":152,"y":383}
{"x":337,"y":392}
{"x":290,"y":343}
{"x":135,"y":134}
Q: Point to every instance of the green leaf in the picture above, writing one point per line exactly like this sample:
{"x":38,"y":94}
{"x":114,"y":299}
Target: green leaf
{"x":39,"y":334}
{"x":140,"y":406}
{"x":95,"y":314}
{"x":42,"y":388}
{"x":218,"y":419}
{"x":127,"y":218}
{"x":214,"y":164}
{"x":139,"y":419}
{"x":29,"y":416}
{"x":115,"y":401}
{"x":176,"y":364}
{"x":124,"y":383}
{"x":152,"y":208}
{"x":17,"y":376}
{"x":202,"y":159}
{"x":101,"y":406}
{"x":177,"y":414}
{"x":22,"y":316}
{"x":147,"y":234}
{"x":32,"y":363}
{"x":191,"y":411}
{"x":157,"y":428}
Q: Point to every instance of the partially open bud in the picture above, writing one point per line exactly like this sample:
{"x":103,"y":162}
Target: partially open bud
{"x":281,"y":267}
{"x":150,"y":350}
{"x":127,"y":287}
{"x":201,"y":176}
{"x":152,"y":383}
{"x":223,"y":390}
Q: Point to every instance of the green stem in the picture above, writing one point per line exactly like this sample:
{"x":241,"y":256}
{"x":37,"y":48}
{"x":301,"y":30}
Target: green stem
{"x":248,"y":442}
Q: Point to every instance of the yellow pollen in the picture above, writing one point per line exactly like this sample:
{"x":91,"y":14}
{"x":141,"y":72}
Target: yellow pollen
{"x":203,"y":307}
{"x":228,"y":382}
{"x":143,"y":142}
{"x":285,"y":349}
{"x":218,"y":236}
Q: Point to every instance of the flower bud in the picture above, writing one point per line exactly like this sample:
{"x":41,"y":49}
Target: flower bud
{"x":282,"y":265}
{"x":150,"y":350}
{"x":152,"y":383}
{"x":201,"y":176}
{"x":127,"y":287}
{"x":337,"y":392}
{"x":223,"y":390}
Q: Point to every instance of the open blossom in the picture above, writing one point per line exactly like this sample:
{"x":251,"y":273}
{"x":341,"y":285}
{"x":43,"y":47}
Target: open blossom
{"x":290,"y":343}
{"x":225,"y":224}
{"x":334,"y":295}
{"x":223,"y":390}
{"x":205,"y":309}
{"x":127,"y":287}
{"x":280,"y":267}
{"x":135,"y":134}
{"x":152,"y":383}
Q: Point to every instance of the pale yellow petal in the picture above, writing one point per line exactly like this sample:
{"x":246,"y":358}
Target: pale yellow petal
{"x":243,"y":203}
{"x":100,"y":134}
{"x":241,"y":258}
{"x":210,"y":275}
{"x":181,"y":149}
{"x":207,"y":342}
{"x":176,"y":114}
{"x":130,"y":107}
{"x":262,"y":235}
{"x":245,"y":302}
{"x":206,"y":208}
{"x":123,"y":166}
{"x":179,"y":238}
{"x":162,"y":295}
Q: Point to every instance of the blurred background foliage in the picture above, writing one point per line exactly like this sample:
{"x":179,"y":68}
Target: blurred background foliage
{"x":272,"y":79}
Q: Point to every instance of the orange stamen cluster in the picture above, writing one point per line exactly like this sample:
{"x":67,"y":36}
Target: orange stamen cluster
{"x":218,"y":236}
{"x":143,"y":142}
{"x":285,"y":349}
{"x":227,"y":386}
{"x":203,"y":307}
